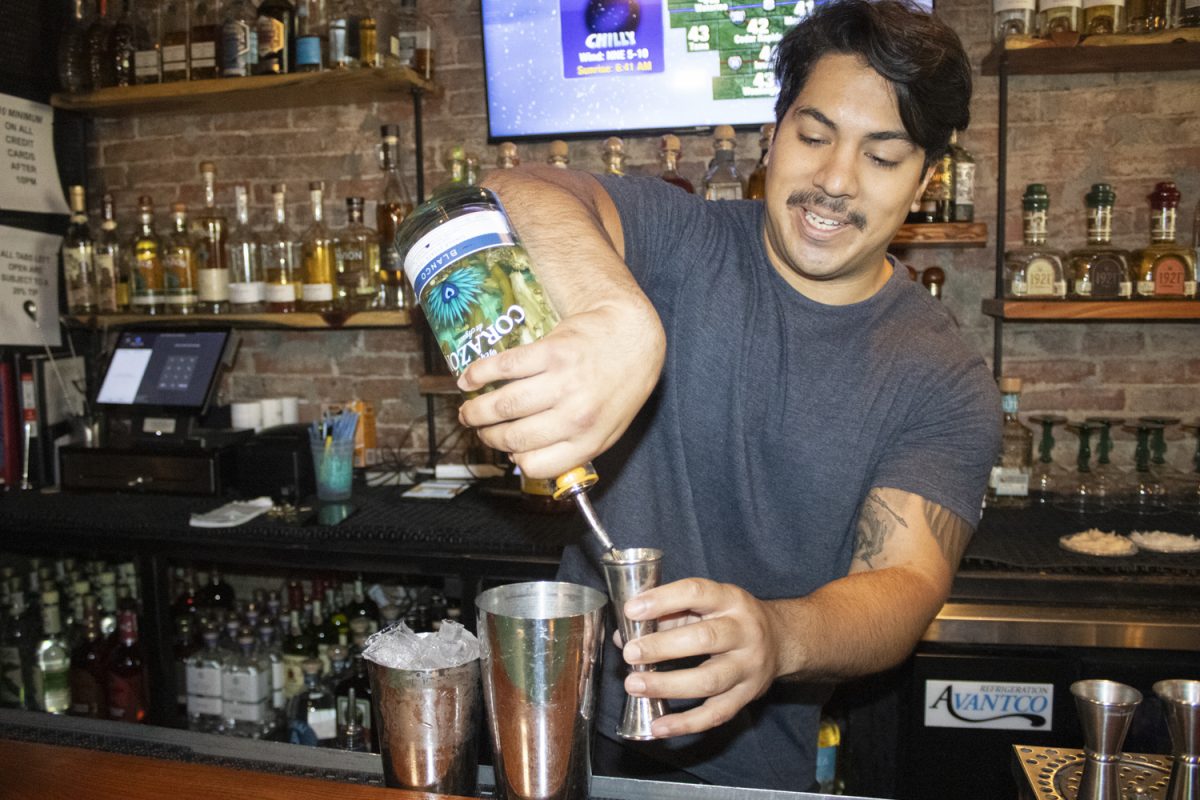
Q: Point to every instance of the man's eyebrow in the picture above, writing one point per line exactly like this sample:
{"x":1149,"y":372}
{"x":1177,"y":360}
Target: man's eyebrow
{"x":878,"y":136}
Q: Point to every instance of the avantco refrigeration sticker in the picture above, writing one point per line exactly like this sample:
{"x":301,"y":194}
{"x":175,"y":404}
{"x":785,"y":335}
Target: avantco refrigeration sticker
{"x":972,"y":704}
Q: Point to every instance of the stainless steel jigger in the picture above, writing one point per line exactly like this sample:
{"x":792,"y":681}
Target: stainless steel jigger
{"x":1181,"y":702}
{"x":629,"y":573}
{"x":1105,"y":711}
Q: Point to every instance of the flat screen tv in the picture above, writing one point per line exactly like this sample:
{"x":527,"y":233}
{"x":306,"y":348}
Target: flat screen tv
{"x":562,"y":68}
{"x":169,"y":370}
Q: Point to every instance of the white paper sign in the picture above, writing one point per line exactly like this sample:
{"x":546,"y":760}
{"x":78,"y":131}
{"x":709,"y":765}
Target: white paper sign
{"x":974,"y":704}
{"x":28,"y":171}
{"x":28,"y":271}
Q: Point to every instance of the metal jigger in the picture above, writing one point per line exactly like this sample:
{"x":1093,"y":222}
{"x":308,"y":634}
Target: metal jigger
{"x":1105,"y":711}
{"x":1181,"y":701}
{"x":629,"y":573}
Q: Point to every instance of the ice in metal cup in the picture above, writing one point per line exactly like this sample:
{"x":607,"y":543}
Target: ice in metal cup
{"x":1105,"y":713}
{"x":427,"y":721}
{"x":1181,"y":703}
{"x":540,"y":646}
{"x":629,"y":573}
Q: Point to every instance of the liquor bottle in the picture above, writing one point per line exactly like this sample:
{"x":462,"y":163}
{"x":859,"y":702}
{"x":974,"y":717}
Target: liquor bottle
{"x":1034,"y":270}
{"x":107,"y":602}
{"x":100,"y":65}
{"x":297,"y":648}
{"x":337,"y":614}
{"x":342,"y":36}
{"x":147,"y":56}
{"x":311,"y":40}
{"x":353,"y":696}
{"x":211,"y":254}
{"x":613,"y":154}
{"x":183,"y":647}
{"x":756,"y":185}
{"x":324,"y":634}
{"x":412,"y":41}
{"x":312,"y":713}
{"x":74,"y":76}
{"x":356,"y":259}
{"x":148,"y":277}
{"x":112,"y":286}
{"x":1012,"y":18}
{"x":204,"y":686}
{"x":391,"y":209}
{"x":87,"y":672}
{"x":1103,"y":17}
{"x":239,"y":39}
{"x":79,"y":267}
{"x":964,"y":181}
{"x":1059,"y":17}
{"x":558,"y":155}
{"x":281,"y":258}
{"x":276,"y":26}
{"x":1008,"y":485}
{"x":668,"y":147}
{"x":176,"y":37}
{"x":1099,"y":271}
{"x":52,"y":666}
{"x":270,"y":650}
{"x":1150,"y":16}
{"x":123,"y":42}
{"x":179,"y":265}
{"x":471,"y":166}
{"x":16,"y":655}
{"x":937,"y":201}
{"x":506,"y":156}
{"x":215,"y":594}
{"x":722,"y":181}
{"x":205,"y":33}
{"x":128,"y":698}
{"x":316,"y":247}
{"x":1164,"y":270}
{"x":246,"y":692}
{"x":1189,"y":17}
{"x":368,"y":34}
{"x":363,"y":607}
{"x":247,"y":292}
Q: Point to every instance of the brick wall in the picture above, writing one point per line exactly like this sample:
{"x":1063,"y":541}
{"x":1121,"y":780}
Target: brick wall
{"x":1065,"y":131}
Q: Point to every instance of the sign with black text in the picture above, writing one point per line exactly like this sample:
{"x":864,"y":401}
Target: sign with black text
{"x":990,"y":704}
{"x":29,"y":272}
{"x":28,"y":171}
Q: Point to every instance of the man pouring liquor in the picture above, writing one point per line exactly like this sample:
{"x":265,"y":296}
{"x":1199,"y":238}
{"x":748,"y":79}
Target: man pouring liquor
{"x":769,"y":399}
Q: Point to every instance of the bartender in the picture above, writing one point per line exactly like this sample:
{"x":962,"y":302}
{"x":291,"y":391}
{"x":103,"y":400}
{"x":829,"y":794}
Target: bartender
{"x":780,"y":410}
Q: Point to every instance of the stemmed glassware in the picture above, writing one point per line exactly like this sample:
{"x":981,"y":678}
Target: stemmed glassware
{"x":1085,"y":491}
{"x":1116,"y":477}
{"x":1048,"y":480}
{"x":1146,"y":493}
{"x":1186,"y":494}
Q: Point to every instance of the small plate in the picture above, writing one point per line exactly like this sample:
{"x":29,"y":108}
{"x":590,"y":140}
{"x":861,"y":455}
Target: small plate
{"x":1098,"y":543}
{"x":1164,"y":542}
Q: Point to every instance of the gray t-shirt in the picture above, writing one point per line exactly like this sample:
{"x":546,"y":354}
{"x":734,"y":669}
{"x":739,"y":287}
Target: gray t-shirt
{"x":773,"y":418}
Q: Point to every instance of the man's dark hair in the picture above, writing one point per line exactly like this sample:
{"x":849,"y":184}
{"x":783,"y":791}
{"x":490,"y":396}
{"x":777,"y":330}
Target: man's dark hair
{"x":918,"y":54}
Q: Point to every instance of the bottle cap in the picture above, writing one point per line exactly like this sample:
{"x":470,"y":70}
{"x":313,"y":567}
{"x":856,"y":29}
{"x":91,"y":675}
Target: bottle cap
{"x":144,"y":202}
{"x":278,"y":188}
{"x":49,"y":597}
{"x":316,"y":186}
{"x":508,"y":150}
{"x":207,"y":168}
{"x":613,"y":144}
{"x":1010,"y":385}
{"x":1102,"y":194}
{"x":574,"y":481}
{"x":390,"y":133}
{"x":77,"y":198}
{"x":723,"y":132}
{"x":669,"y":142}
{"x":558,"y":148}
{"x":311,"y":666}
{"x":1165,"y":195}
{"x":179,"y":208}
{"x":1036,"y":197}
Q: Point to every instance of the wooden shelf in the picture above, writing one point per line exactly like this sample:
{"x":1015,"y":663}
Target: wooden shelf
{"x":1092,"y":310}
{"x":332,"y":87}
{"x":438,"y":384}
{"x":1166,"y":52}
{"x":300,"y":320}
{"x":942,"y":234}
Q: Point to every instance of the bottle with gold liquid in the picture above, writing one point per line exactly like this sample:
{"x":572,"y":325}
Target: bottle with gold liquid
{"x":1034,"y":271}
{"x":756,"y":185}
{"x":79,"y":268}
{"x":506,"y":156}
{"x":391,"y":209}
{"x":559,"y":155}
{"x":1164,"y":270}
{"x":669,"y":149}
{"x":316,"y":247}
{"x":356,"y":259}
{"x":148,"y":279}
{"x":282,"y":266}
{"x":1099,"y":271}
{"x":1103,"y":17}
{"x":613,"y":153}
{"x":722,"y":181}
{"x":179,"y":265}
{"x":1059,"y":17}
{"x":210,"y":230}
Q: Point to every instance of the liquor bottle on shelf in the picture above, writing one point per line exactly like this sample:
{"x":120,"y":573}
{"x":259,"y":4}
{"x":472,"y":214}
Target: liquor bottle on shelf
{"x":324,"y":633}
{"x":613,"y":154}
{"x":1059,"y":17}
{"x":246,"y":691}
{"x":362,"y":606}
{"x":212,"y":258}
{"x":937,"y":201}
{"x":311,"y":41}
{"x":964,"y":181}
{"x":1189,"y":15}
{"x":337,"y":614}
{"x":559,"y":155}
{"x":204,"y":36}
{"x":1008,"y":485}
{"x":276,"y":37}
{"x":100,"y":65}
{"x":148,"y":277}
{"x":506,"y":156}
{"x":412,"y":41}
{"x":669,"y":149}
{"x":215,"y":594}
{"x":297,"y":648}
{"x":239,"y":39}
{"x":247,"y":292}
{"x":392,"y":208}
{"x":52,"y":667}
{"x":1034,"y":270}
{"x":356,"y":258}
{"x":1012,"y":18}
{"x":270,"y":650}
{"x":317,"y":248}
{"x":147,"y":56}
{"x":722,"y":180}
{"x":456,"y":164}
{"x":176,"y":36}
{"x":756,"y":184}
{"x":1150,"y":16}
{"x":106,"y":589}
{"x":471,"y":174}
{"x":16,"y":654}
{"x":368,"y":34}
{"x":204,"y":686}
{"x":112,"y":285}
{"x":123,"y":42}
{"x":74,"y":76}
{"x":1164,"y":270}
{"x":312,"y":713}
{"x":1103,"y":17}
{"x":1099,"y":271}
{"x":88,"y":660}
{"x":128,"y":698}
{"x":343,"y":35}
{"x":183,"y":647}
{"x":179,"y":265}
{"x":353,"y":696}
{"x":79,"y":266}
{"x":281,"y":259}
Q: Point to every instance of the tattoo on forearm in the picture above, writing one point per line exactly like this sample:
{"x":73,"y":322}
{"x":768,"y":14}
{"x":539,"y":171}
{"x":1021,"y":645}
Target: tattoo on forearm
{"x":949,"y":530}
{"x":875,"y":524}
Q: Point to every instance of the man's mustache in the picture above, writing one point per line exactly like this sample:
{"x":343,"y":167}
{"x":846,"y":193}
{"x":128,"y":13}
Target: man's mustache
{"x":812,"y":199}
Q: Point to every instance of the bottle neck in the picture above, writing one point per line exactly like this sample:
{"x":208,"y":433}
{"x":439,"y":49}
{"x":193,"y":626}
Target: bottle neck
{"x":280,"y":209}
{"x":1010,"y":402}
{"x":318,"y":210}
{"x":243,"y":209}
{"x":210,"y":192}
{"x":1162,"y":225}
{"x":670,"y":161}
{"x":146,"y":224}
{"x":1034,"y":227}
{"x":1099,"y":225}
{"x":181,"y":223}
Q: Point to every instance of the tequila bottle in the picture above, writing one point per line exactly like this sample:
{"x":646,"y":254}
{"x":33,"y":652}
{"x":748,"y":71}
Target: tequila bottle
{"x":1103,"y":17}
{"x":311,"y":32}
{"x":112,"y":285}
{"x":937,"y":201}
{"x":147,"y":59}
{"x":1034,"y":271}
{"x":356,"y":256}
{"x":472,"y":174}
{"x":342,"y":29}
{"x":559,"y":155}
{"x":964,"y":181}
{"x":128,"y":699}
{"x":179,"y":265}
{"x":613,"y":154}
{"x":1008,"y":485}
{"x":312,"y":713}
{"x":390,"y":211}
{"x":247,"y":292}
{"x":269,"y":648}
{"x":316,"y":247}
{"x":52,"y":665}
{"x":205,"y":33}
{"x":204,"y":686}
{"x":239,"y":39}
{"x":148,"y":276}
{"x":1099,"y":271}
{"x":183,"y":648}
{"x":506,"y":156}
{"x":79,"y":267}
{"x":669,"y":156}
{"x":276,"y":30}
{"x":324,"y":633}
{"x":211,"y":255}
{"x":722,"y":180}
{"x":281,"y":258}
{"x":1150,"y":16}
{"x":176,"y":25}
{"x":412,"y":41}
{"x":362,"y":607}
{"x":756,"y":185}
{"x":1012,"y":18}
{"x":1164,"y":270}
{"x":246,"y":691}
{"x":1058,"y":17}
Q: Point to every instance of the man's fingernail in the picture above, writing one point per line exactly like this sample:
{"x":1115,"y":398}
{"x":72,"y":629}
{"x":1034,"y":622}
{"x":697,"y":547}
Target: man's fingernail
{"x":660,"y":729}
{"x":632,"y":652}
{"x":634,"y":684}
{"x":635,"y":607}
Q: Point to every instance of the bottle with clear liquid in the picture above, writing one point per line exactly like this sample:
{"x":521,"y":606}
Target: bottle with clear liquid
{"x":756,"y":184}
{"x":1012,"y":18}
{"x":246,"y":691}
{"x":203,"y":37}
{"x":1059,"y":17}
{"x":209,"y":232}
{"x":343,"y":35}
{"x":1164,"y":270}
{"x":247,"y":291}
{"x":72,"y":63}
{"x":239,"y":39}
{"x":506,"y":156}
{"x":52,"y":665}
{"x":356,"y":258}
{"x":276,"y":30}
{"x":269,"y":649}
{"x":391,"y":209}
{"x":312,"y":713}
{"x":79,"y":268}
{"x":316,"y":247}
{"x":112,"y":285}
{"x":179,"y":265}
{"x":669,"y":148}
{"x":1099,"y":271}
{"x":559,"y":154}
{"x":281,"y":259}
{"x":1034,"y":271}
{"x":722,"y":180}
{"x":205,"y":670}
{"x":613,"y":153}
{"x":1008,"y":485}
{"x":148,"y":290}
{"x":456,"y":164}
